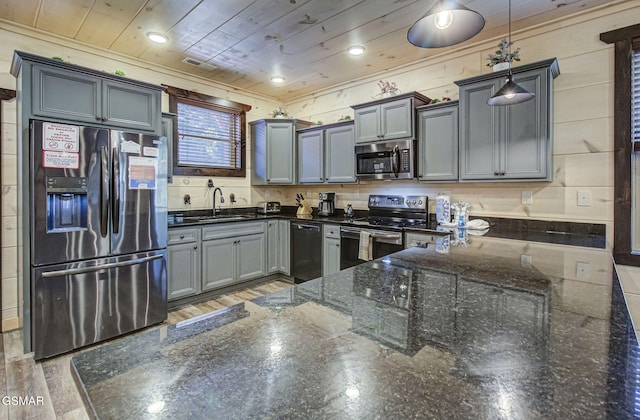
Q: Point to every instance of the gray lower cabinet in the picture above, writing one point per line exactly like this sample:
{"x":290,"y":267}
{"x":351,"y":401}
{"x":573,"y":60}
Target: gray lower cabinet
{"x":233,"y":253}
{"x":273,"y":246}
{"x":331,"y":250}
{"x":511,"y":142}
{"x":65,"y":92}
{"x":183,"y":261}
{"x":284,"y":240}
{"x":326,"y":154}
{"x":438,"y":142}
{"x":273,"y":155}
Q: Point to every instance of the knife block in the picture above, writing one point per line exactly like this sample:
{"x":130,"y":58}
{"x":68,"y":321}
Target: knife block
{"x":304,"y":209}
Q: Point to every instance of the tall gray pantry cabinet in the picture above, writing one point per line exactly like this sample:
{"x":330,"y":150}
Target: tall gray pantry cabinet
{"x":512,"y":142}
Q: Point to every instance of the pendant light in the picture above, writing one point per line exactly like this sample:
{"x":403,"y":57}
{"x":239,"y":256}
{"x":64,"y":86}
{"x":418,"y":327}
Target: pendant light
{"x":510,"y":93}
{"x":446,"y":23}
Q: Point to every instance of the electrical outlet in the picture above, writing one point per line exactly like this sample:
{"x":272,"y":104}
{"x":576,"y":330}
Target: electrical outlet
{"x":525,"y":261}
{"x":582,"y":270}
{"x":527,"y":197}
{"x":584,"y":197}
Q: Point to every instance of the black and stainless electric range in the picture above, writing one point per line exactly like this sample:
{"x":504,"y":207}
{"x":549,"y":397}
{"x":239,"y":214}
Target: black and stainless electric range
{"x":389,"y":215}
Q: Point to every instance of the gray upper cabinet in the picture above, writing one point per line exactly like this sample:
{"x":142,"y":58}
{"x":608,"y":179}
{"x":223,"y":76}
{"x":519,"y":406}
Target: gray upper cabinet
{"x":511,"y":142}
{"x":387,"y":119}
{"x":340,"y":162}
{"x":311,"y":157}
{"x":438,"y":142}
{"x":326,"y":154}
{"x":67,"y":92}
{"x":273,"y":154}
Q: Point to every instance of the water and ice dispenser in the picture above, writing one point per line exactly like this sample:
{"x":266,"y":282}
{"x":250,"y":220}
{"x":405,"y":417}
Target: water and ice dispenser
{"x":66,"y":203}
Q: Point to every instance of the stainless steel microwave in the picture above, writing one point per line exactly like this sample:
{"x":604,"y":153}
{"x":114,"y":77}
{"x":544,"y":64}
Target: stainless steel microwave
{"x":386,"y":160}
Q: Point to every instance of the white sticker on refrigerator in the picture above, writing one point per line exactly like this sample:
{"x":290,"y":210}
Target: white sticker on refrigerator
{"x":60,"y":137}
{"x":142,"y":173}
{"x":64,"y":160}
{"x":150,"y":151}
{"x":129,"y":146}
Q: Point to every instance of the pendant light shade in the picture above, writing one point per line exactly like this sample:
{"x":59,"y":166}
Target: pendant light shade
{"x":446,"y":23}
{"x":510,"y":93}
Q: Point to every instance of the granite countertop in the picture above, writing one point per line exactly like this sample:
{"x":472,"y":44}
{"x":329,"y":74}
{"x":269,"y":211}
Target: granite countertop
{"x":493,"y":328}
{"x":566,"y":233}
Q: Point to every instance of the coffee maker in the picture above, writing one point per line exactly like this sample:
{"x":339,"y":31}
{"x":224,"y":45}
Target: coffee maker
{"x":326,"y":204}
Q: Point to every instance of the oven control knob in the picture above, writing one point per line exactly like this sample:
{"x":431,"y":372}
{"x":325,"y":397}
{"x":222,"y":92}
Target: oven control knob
{"x":414,"y":202}
{"x":408,"y":202}
{"x":420,"y":202}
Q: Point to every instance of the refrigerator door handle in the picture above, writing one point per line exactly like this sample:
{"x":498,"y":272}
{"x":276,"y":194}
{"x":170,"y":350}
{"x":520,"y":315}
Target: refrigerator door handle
{"x":74,"y":271}
{"x":115,"y":194}
{"x":104,"y":191}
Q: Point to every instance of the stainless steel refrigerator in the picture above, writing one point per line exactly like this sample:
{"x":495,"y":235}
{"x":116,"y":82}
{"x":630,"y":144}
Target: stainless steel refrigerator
{"x":98,"y":235}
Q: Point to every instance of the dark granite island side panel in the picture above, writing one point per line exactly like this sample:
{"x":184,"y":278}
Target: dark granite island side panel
{"x":498,"y":329}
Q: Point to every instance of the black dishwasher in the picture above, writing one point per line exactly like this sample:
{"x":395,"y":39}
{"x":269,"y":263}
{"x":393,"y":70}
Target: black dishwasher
{"x":306,"y":250}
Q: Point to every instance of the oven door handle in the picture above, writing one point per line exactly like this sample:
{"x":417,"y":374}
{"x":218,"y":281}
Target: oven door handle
{"x":354,"y":233}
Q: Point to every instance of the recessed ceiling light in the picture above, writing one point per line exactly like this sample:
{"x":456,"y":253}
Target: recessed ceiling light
{"x":277,"y":79}
{"x":356,"y":50}
{"x":156,"y":37}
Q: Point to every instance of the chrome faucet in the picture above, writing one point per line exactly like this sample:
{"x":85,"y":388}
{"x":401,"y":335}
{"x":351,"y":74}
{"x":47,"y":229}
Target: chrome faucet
{"x":214,"y":199}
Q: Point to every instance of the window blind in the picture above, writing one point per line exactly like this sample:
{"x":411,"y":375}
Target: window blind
{"x":635,"y":96}
{"x":208,"y":137}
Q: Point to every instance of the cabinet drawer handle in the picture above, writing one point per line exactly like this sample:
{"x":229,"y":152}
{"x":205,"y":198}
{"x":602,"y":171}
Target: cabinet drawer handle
{"x":338,"y":245}
{"x":181,"y":236}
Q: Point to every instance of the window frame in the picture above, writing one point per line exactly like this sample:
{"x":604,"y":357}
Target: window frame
{"x":194,"y":98}
{"x":624,"y":40}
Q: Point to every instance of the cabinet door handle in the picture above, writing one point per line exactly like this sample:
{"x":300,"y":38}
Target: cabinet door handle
{"x":268,"y":179}
{"x":338,"y":245}
{"x":503,"y":173}
{"x":496,"y":173}
{"x":195,"y":247}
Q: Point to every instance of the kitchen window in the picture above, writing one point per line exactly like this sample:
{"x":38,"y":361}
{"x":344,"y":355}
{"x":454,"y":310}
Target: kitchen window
{"x":210,"y":135}
{"x":626,"y":248}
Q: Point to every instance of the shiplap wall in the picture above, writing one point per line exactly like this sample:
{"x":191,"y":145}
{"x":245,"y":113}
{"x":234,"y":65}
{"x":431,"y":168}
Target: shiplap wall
{"x":583,"y":121}
{"x":583,"y":125}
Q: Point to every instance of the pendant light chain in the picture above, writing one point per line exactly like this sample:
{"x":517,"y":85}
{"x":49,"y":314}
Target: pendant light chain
{"x":509,"y":43}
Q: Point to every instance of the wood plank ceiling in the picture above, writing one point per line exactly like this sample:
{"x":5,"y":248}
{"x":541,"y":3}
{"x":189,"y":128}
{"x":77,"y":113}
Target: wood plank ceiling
{"x":248,"y":41}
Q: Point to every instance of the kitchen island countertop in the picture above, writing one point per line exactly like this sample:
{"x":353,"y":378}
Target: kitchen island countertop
{"x":498,"y":328}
